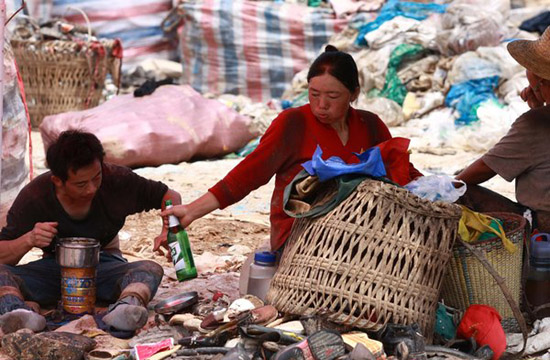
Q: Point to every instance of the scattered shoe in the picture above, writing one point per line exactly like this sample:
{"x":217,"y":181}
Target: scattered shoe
{"x":322,"y":345}
{"x":126,"y":315}
{"x":404,"y":342}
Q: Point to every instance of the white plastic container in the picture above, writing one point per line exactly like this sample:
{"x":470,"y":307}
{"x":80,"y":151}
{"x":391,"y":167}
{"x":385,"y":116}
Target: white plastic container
{"x":261,"y":272}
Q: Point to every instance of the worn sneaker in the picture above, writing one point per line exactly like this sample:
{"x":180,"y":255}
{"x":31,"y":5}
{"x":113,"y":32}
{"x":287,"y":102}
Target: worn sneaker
{"x":125,"y":315}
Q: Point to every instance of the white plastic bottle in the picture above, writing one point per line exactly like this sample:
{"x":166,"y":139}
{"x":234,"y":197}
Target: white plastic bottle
{"x":261,"y":272}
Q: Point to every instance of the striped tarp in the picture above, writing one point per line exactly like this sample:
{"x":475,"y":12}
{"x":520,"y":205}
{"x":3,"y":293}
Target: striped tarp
{"x":251,"y":48}
{"x":135,"y":22}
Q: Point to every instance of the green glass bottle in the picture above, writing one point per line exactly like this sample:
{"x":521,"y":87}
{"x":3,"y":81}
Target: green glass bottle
{"x":180,"y":248}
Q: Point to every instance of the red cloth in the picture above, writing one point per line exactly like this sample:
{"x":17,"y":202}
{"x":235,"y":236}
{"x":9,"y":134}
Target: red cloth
{"x":290,"y":141}
{"x":482,"y":322}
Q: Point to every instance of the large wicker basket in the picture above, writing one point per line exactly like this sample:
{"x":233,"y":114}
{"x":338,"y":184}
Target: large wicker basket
{"x":378,"y":257}
{"x":468,"y":282}
{"x":61,"y":75}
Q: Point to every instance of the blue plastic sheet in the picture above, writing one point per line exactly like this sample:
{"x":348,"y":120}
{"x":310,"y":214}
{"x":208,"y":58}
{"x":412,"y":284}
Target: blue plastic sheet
{"x":394,"y":8}
{"x":370,"y":163}
{"x":466,"y":97}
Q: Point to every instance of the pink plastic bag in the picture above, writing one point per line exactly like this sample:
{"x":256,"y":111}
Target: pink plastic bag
{"x":172,"y":125}
{"x":145,"y":351}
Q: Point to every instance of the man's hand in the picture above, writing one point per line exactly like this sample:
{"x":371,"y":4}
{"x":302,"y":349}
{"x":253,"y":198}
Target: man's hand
{"x":42,"y":234}
{"x":162,"y":240}
{"x":532,"y":97}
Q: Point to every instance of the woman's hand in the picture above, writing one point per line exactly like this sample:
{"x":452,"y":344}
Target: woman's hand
{"x":183,"y":212}
{"x":186,"y":214}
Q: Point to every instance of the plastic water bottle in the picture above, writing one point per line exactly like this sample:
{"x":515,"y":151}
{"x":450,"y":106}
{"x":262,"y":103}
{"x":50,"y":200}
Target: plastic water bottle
{"x":180,"y":248}
{"x":261,"y":272}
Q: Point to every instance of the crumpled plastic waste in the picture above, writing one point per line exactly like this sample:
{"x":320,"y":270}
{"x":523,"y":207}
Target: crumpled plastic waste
{"x":539,"y":339}
{"x":483,"y":323}
{"x":145,"y":351}
{"x":394,"y":8}
{"x":444,"y":325}
{"x":473,"y":225}
{"x":394,"y":88}
{"x":370,"y":163}
{"x":436,"y":188}
{"x":466,"y":97}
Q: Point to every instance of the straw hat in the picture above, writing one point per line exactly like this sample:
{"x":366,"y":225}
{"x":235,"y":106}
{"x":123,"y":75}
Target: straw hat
{"x":534,"y":55}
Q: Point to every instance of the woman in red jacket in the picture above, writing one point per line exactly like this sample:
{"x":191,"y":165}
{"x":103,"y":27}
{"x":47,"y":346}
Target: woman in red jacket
{"x":328,"y":121}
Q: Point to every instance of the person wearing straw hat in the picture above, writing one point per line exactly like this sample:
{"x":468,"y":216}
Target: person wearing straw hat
{"x":523,"y":154}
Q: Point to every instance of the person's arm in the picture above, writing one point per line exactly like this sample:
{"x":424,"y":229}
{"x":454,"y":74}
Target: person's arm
{"x":11,"y":251}
{"x":476,"y":173}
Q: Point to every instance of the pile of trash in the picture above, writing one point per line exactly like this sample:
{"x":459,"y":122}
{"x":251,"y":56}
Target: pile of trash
{"x":187,"y":326}
{"x":439,"y":71}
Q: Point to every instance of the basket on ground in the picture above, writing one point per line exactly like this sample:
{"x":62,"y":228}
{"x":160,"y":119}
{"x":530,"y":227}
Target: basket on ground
{"x":468,"y":282}
{"x":378,"y":257}
{"x":62,"y":75}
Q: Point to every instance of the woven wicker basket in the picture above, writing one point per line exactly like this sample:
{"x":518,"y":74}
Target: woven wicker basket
{"x":378,"y":257}
{"x":468,"y":282}
{"x":60,"y":75}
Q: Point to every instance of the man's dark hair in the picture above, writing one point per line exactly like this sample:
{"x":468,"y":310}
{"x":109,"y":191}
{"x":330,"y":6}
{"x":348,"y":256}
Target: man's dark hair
{"x":338,"y":64}
{"x":73,"y":150}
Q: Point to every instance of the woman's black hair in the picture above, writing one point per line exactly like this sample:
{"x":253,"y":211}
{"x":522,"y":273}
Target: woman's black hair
{"x":73,"y":150}
{"x":338,"y":64}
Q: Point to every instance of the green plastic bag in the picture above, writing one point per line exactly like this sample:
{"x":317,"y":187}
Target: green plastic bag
{"x":393,"y":88}
{"x":487,"y":235}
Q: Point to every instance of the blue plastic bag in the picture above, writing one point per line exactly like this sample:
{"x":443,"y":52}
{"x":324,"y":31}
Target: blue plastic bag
{"x":370,"y":164}
{"x":466,"y":97}
{"x":393,"y":8}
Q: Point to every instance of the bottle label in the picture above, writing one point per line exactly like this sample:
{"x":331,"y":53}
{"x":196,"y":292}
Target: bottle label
{"x":173,"y":221}
{"x":177,"y":255}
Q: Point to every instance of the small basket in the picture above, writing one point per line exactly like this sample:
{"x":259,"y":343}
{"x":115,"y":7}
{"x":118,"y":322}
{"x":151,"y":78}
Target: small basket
{"x":378,"y":257}
{"x":468,"y":281}
{"x":63,"y":75}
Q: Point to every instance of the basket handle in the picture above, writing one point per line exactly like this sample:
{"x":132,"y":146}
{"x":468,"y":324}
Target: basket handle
{"x":505,"y":291}
{"x":83,"y":15}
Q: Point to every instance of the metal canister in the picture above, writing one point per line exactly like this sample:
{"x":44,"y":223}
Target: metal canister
{"x":78,"y":259}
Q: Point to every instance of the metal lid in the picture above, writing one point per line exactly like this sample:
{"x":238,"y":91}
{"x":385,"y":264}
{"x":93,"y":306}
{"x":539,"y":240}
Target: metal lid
{"x":176,"y":303}
{"x":77,"y":242}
